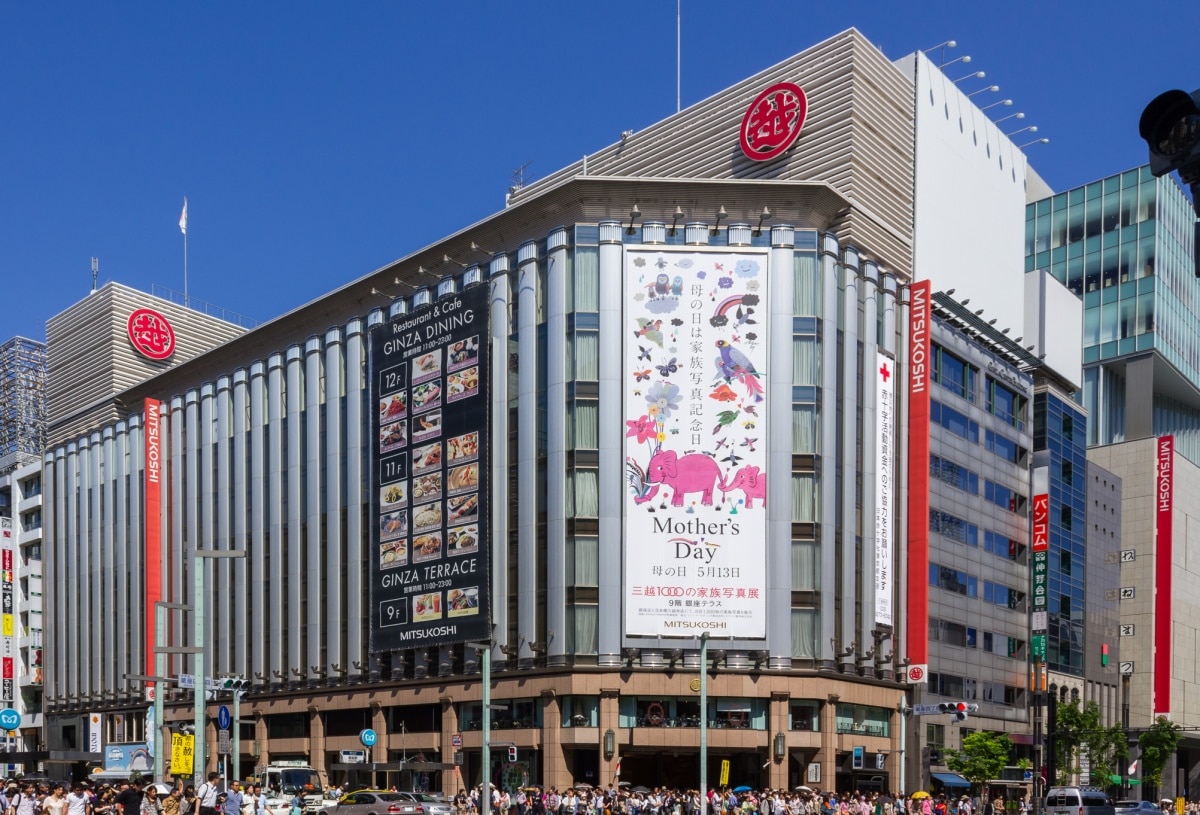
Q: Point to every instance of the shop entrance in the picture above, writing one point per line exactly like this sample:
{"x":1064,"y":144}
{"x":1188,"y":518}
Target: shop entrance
{"x":680,"y":769}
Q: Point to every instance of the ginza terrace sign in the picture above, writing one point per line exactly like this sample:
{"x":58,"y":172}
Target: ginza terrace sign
{"x":773,"y":121}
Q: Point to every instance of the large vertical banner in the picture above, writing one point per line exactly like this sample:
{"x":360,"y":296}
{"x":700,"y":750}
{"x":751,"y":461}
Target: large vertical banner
{"x":429,"y":383}
{"x":151,"y":525}
{"x":885,"y":483}
{"x":920,"y":323}
{"x":7,"y":634}
{"x":1040,"y":619}
{"x":695,"y":452}
{"x":1164,"y":498}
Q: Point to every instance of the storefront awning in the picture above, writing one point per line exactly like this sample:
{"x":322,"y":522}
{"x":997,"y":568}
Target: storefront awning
{"x":951,"y":779}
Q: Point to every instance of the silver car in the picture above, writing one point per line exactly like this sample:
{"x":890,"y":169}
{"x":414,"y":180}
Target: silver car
{"x":430,"y":804}
{"x":374,"y":802}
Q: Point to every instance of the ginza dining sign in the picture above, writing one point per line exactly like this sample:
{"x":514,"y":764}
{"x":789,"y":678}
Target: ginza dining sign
{"x":773,"y":121}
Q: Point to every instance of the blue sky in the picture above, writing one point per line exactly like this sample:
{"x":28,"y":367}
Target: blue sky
{"x":317,"y":142}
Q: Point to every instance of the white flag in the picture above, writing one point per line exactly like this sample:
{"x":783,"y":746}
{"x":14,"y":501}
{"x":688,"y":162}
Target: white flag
{"x":183,"y":217}
{"x":1133,"y":767}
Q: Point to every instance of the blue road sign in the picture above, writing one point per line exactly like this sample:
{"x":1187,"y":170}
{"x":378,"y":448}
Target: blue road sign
{"x":10,"y":719}
{"x":224,"y":720}
{"x":368,"y":737}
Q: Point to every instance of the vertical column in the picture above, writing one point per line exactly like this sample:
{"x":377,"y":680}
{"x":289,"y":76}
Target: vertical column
{"x":611,"y":455}
{"x":316,"y":740}
{"x":172,"y":431}
{"x":229,"y":626}
{"x":903,"y":412}
{"x":292,"y":574}
{"x":554,"y":766}
{"x":205,"y":536}
{"x":527,"y":410}
{"x":498,"y":299}
{"x":107,"y":657}
{"x":870,"y":336}
{"x":249,"y":628}
{"x":334,"y":544}
{"x":556,"y":447}
{"x":51,"y":525}
{"x":89,"y":511}
{"x":778,"y":724}
{"x":450,"y":782}
{"x":71,"y":575}
{"x":356,"y":477}
{"x":848,"y":588}
{"x":135,"y":538}
{"x":314,"y":566}
{"x":276,"y":481}
{"x":781,"y":295}
{"x":610,"y":718}
{"x":829,"y":447}
{"x":193,"y":533}
{"x":257,"y":533}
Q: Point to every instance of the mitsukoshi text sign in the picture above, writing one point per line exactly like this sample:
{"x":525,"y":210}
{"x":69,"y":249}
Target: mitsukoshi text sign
{"x":429,"y":561}
{"x":695,"y":448}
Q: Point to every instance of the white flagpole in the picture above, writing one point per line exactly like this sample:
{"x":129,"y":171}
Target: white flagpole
{"x":183,"y":229}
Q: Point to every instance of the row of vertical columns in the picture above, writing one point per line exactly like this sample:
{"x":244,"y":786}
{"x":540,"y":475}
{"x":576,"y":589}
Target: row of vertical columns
{"x":556,"y":446}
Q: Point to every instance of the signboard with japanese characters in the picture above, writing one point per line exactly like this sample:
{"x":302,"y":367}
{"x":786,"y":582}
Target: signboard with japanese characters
{"x":429,"y":573}
{"x":695,"y":452}
{"x":885,"y":480}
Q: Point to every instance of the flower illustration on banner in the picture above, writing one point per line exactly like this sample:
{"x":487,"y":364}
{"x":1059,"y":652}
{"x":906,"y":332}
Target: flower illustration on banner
{"x":643,"y":429}
{"x":663,"y":397}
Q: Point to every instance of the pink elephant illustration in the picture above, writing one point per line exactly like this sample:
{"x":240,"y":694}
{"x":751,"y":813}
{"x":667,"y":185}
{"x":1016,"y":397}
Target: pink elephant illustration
{"x":750,"y":480}
{"x":694,"y":472}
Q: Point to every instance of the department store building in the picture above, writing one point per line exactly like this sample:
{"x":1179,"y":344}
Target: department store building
{"x":690,"y":394}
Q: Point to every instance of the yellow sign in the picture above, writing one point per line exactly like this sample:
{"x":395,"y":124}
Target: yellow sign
{"x":182,"y":747}
{"x":725,"y":773}
{"x":6,"y":627}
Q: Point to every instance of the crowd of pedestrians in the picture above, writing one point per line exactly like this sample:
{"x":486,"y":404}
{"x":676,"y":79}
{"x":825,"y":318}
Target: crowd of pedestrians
{"x":741,"y":801}
{"x":131,"y":798}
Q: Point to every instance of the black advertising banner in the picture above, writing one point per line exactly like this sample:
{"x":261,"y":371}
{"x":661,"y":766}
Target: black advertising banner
{"x":429,"y":563}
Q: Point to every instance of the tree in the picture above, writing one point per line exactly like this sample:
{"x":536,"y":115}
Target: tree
{"x":1158,"y":744}
{"x":1080,"y":732}
{"x":983,"y":756}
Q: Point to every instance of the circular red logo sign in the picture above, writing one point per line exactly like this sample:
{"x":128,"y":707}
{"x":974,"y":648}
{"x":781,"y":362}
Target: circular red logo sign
{"x":916,"y":674}
{"x":773,"y":121}
{"x":151,"y":334}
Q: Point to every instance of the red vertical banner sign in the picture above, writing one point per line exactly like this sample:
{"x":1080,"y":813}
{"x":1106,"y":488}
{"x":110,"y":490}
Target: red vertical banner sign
{"x":1164,"y":489}
{"x":919,"y":371}
{"x":153,"y":496}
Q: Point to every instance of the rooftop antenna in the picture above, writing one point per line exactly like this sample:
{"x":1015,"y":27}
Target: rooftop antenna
{"x":95,"y":271}
{"x":518,"y":177}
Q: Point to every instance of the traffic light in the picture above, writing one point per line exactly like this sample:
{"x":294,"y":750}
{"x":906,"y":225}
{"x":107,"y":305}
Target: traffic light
{"x":512,"y":755}
{"x":935,"y":756}
{"x":1170,"y":124}
{"x":960,"y":710}
{"x":236,"y":685}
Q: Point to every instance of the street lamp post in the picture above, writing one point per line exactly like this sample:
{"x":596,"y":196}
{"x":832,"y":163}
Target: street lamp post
{"x":485,"y":669}
{"x":200,"y":588}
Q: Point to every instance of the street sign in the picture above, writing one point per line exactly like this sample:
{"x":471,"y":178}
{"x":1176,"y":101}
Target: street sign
{"x":925,"y":710}
{"x":368,"y":737}
{"x":10,"y":719}
{"x":858,"y":758}
{"x":725,"y":772}
{"x":1125,"y":669}
{"x":224,"y":720}
{"x":456,"y":740}
{"x":150,"y":693}
{"x":353,"y":756}
{"x":224,"y":743}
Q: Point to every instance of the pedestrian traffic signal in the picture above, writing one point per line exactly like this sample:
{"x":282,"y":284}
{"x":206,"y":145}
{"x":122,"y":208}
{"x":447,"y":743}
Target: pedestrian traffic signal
{"x":935,"y":757}
{"x":234,"y":683}
{"x":512,"y":755}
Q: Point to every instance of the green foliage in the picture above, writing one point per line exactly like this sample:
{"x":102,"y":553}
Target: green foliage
{"x":1080,"y":732}
{"x":1158,"y":744}
{"x":982,"y":758}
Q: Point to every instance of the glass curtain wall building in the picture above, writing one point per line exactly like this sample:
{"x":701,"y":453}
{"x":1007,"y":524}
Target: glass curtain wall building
{"x":1124,"y":245}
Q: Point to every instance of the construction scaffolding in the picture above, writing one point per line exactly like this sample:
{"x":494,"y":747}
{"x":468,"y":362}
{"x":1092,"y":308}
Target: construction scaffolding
{"x":22,"y":402}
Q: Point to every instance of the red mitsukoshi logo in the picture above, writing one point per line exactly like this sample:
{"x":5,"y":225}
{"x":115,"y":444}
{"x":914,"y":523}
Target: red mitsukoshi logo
{"x":151,"y":334}
{"x":773,"y":121}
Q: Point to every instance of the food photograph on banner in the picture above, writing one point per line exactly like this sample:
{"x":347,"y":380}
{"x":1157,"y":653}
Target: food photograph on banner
{"x":695,"y":442}
{"x":429,"y":580}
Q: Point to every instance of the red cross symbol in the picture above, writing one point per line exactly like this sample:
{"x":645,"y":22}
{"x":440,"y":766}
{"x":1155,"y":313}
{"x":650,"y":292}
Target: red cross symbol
{"x":885,"y":372}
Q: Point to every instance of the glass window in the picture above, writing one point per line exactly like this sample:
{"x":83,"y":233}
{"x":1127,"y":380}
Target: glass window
{"x":953,"y":373}
{"x":954,"y":474}
{"x":805,"y":714}
{"x":580,"y":711}
{"x":587,"y":278}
